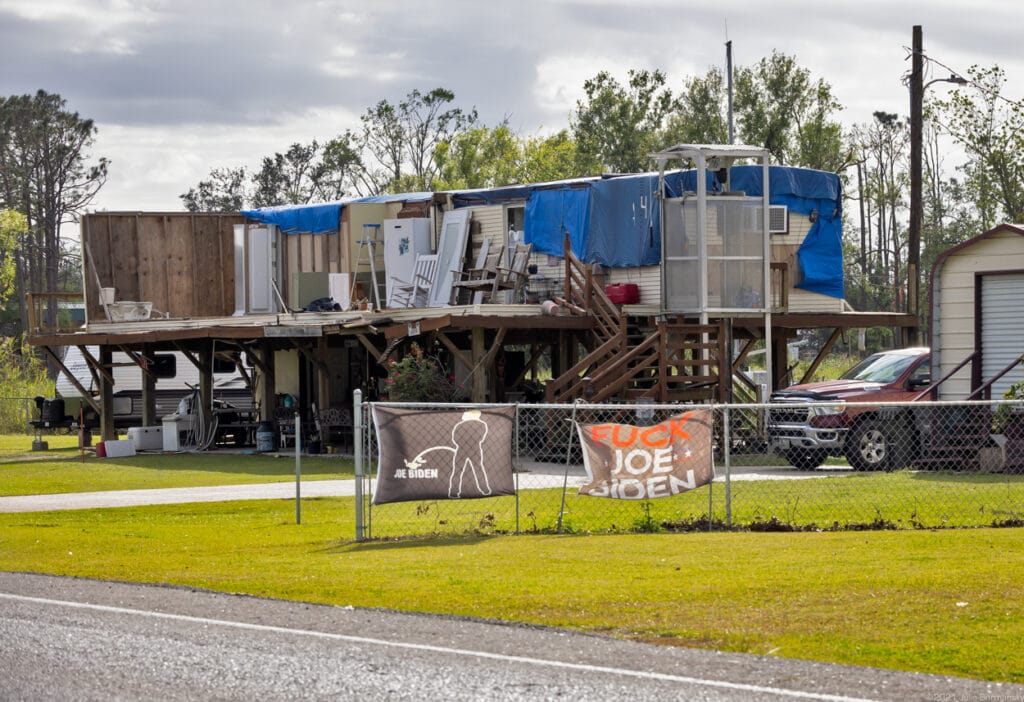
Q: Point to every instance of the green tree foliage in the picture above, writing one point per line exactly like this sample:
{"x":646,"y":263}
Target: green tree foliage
{"x":45,"y":174}
{"x":340,"y":162}
{"x":990,"y":128}
{"x":286,"y":179}
{"x":13,"y":225}
{"x":480,"y":157}
{"x":551,"y":158}
{"x":302,"y":174}
{"x":22,"y":374}
{"x":617,"y":126}
{"x":779,"y":106}
{"x":701,"y":115}
{"x":882,"y":186}
{"x":223,"y":191}
{"x":400,"y":141}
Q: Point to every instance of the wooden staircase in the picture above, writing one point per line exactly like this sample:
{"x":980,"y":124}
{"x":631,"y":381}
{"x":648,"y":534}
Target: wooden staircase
{"x":666,"y":361}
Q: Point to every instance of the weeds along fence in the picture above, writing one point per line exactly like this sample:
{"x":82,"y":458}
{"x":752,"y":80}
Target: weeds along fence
{"x":776,"y":467}
{"x":16,"y":413}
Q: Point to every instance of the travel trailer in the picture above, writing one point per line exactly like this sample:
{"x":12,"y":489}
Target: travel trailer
{"x":177,"y":379}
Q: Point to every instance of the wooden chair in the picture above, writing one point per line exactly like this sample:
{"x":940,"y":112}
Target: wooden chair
{"x":480,"y":279}
{"x":512,"y":278}
{"x":515,"y":276}
{"x":416,"y":292}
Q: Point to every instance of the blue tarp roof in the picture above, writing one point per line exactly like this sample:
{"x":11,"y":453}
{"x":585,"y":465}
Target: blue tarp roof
{"x":322,"y":218}
{"x":616,"y":221}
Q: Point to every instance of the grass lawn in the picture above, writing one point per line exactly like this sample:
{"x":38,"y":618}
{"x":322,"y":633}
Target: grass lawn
{"x":61,"y":468}
{"x":947,"y":601}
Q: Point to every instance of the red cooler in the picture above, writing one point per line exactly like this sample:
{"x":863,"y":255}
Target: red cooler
{"x":623,"y":293}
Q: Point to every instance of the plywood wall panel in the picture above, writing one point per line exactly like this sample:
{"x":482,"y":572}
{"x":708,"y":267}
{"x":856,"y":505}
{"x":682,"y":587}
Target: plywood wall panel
{"x":183,"y":263}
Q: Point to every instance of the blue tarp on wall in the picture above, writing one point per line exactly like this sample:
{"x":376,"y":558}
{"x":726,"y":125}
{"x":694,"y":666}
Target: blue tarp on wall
{"x":614,"y":221}
{"x":551,"y":213}
{"x":625,"y":223}
{"x":821,"y":258}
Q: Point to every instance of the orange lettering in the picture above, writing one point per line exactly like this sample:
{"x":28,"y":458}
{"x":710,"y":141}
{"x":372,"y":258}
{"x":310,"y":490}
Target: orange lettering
{"x":617,"y":441}
{"x":645,"y":436}
{"x":676,"y":426}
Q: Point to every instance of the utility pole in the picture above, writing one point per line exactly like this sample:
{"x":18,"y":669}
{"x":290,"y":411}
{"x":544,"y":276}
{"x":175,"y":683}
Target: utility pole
{"x":916,"y":206}
{"x":728,"y":74}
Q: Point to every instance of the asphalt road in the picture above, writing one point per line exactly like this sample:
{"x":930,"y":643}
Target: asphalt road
{"x":75,"y":639}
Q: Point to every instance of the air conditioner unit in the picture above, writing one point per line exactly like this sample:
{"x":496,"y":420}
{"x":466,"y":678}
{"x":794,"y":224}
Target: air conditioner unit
{"x":778,"y":219}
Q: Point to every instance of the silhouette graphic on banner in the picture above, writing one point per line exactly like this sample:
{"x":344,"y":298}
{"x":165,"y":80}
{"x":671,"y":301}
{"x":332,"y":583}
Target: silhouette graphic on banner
{"x":640,"y":463}
{"x":443,"y":454}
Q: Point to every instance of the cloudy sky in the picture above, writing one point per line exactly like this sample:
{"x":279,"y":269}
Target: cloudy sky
{"x":177,"y":87}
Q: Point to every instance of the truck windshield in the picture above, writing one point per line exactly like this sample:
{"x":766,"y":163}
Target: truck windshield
{"x":880,"y":368}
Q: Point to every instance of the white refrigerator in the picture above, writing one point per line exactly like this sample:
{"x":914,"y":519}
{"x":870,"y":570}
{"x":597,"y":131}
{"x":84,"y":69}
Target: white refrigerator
{"x":404,"y":239}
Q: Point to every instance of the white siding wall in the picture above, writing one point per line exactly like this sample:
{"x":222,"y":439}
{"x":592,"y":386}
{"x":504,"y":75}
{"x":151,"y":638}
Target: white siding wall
{"x":953,"y":311}
{"x":647,"y":278}
{"x":492,"y":226}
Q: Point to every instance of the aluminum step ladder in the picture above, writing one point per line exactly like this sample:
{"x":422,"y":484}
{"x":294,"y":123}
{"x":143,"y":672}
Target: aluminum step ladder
{"x":368,"y":248}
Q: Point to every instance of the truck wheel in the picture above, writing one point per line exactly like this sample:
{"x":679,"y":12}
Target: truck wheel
{"x":805,"y":459}
{"x":873,"y":445}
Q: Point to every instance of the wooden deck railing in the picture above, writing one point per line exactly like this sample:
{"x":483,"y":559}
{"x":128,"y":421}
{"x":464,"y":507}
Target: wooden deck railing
{"x":37,"y":303}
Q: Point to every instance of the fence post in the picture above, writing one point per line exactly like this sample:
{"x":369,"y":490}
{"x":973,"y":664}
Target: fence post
{"x":357,"y":450}
{"x":568,"y":456}
{"x":727,"y":457}
{"x":515,"y":460}
{"x":298,"y":468}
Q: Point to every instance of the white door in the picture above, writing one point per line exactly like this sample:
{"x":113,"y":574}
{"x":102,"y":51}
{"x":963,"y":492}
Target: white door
{"x":261,"y":270}
{"x":1002,"y":334}
{"x":451,"y":250}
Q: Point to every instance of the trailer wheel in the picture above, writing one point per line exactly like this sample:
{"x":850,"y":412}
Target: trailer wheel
{"x":805,"y":459}
{"x":875,"y":445}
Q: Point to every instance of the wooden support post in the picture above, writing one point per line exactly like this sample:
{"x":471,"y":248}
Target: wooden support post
{"x":323,"y":375}
{"x":836,"y":333}
{"x":86,"y":395}
{"x":107,"y":429}
{"x":724,"y":360}
{"x":206,"y":377}
{"x":460,"y":358}
{"x":662,"y":361}
{"x":266,"y":398}
{"x":780,"y":361}
{"x":149,"y":417}
{"x":479,"y":380}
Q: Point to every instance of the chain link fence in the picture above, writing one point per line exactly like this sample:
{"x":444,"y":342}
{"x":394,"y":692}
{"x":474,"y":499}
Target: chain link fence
{"x":801,"y":466}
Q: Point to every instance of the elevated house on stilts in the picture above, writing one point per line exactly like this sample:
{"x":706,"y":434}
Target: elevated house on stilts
{"x":614,"y":288}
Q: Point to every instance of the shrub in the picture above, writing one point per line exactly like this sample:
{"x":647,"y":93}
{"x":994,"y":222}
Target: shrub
{"x":22,"y":375}
{"x":418,"y":378}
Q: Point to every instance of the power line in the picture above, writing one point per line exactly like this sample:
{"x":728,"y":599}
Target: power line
{"x":968,"y":81}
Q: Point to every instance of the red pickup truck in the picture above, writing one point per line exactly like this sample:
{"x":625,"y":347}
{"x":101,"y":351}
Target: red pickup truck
{"x":814,"y":420}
